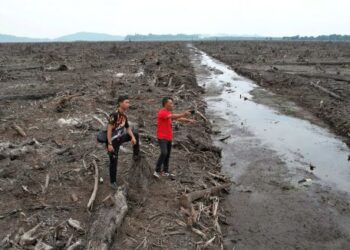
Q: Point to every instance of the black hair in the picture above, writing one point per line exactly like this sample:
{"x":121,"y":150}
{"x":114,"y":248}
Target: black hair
{"x":165,"y":100}
{"x":122,"y":98}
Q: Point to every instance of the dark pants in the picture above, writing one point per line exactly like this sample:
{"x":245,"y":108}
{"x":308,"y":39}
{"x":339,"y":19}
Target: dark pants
{"x":165,"y":150}
{"x":113,"y":156}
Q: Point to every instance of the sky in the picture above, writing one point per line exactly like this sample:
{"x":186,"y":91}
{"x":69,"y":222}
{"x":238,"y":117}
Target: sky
{"x":54,"y":18}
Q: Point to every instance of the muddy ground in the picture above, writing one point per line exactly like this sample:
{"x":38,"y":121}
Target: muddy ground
{"x":54,"y":93}
{"x":315,"y":75}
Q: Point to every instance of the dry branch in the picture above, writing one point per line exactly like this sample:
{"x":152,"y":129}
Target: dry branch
{"x":94,"y":192}
{"x":19,"y":130}
{"x":187,"y":199}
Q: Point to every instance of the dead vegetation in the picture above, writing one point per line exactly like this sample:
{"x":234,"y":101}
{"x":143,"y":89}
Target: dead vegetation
{"x":53,"y":174}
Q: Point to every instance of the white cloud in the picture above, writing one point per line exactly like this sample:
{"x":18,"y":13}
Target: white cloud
{"x":48,"y":18}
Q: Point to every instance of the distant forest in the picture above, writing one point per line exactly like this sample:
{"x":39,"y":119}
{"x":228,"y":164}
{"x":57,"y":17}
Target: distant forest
{"x":319,"y":38}
{"x":196,"y":37}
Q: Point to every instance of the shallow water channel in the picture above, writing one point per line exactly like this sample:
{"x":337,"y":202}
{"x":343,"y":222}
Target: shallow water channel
{"x":240,"y":117}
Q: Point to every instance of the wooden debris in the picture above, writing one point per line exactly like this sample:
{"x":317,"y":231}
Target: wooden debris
{"x":201,"y":115}
{"x":19,"y":130}
{"x":99,"y":121}
{"x":29,"y":238}
{"x":102,"y":112}
{"x":219,"y":177}
{"x":74,"y":197}
{"x":42,"y":246}
{"x":108,"y":220}
{"x":94,"y":192}
{"x":75,"y":224}
{"x":332,"y":94}
{"x":204,"y":146}
{"x":75,"y":245}
{"x":187,"y":199}
{"x":199,"y":232}
{"x":209,"y":242}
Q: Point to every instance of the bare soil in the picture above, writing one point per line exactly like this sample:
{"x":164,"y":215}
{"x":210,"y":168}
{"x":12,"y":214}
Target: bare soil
{"x":54,"y":92}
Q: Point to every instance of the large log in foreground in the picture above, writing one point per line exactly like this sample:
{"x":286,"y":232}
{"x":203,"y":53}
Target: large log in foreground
{"x":108,"y":220}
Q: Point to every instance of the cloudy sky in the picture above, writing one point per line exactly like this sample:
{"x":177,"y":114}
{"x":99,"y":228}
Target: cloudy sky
{"x":53,"y":18}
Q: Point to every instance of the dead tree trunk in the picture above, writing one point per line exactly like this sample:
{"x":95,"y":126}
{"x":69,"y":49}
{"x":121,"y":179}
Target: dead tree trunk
{"x":204,"y":146}
{"x":109,"y":219}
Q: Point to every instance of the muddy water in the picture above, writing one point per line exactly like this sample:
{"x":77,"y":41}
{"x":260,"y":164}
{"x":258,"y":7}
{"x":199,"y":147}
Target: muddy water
{"x":296,"y":142}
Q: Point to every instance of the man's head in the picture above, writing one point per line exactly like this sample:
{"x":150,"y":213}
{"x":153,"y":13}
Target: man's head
{"x":168,"y":103}
{"x":123,"y":102}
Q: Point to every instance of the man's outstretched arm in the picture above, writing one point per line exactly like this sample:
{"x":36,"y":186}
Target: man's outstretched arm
{"x":180,"y":115}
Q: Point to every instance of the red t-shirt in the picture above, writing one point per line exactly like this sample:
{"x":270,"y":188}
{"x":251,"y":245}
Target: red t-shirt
{"x":164,"y":125}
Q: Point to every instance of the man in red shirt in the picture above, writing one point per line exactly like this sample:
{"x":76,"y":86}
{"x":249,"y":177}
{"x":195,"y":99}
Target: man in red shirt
{"x":165,"y":134}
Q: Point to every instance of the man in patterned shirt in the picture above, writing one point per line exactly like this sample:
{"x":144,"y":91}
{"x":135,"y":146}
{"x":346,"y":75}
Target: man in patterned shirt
{"x":118,"y":132}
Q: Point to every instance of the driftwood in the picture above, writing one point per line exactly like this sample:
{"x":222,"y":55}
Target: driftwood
{"x":187,"y":199}
{"x":30,"y":236}
{"x":325,"y":76}
{"x":219,"y":177}
{"x":102,"y":112}
{"x":204,"y":146}
{"x":332,"y":94}
{"x":201,"y":115}
{"x":19,"y":130}
{"x":99,"y":121}
{"x":42,"y":246}
{"x":75,"y":245}
{"x":94,"y":192}
{"x":75,"y":224}
{"x":108,"y":220}
{"x":62,"y":101}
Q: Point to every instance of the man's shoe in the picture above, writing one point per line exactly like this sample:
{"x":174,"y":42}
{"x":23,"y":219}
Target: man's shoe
{"x":156,"y":174}
{"x":114,"y":185}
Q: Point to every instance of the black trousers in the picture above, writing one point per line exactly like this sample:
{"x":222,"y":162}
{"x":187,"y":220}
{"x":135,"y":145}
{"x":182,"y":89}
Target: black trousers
{"x":113,"y":156}
{"x":165,"y":150}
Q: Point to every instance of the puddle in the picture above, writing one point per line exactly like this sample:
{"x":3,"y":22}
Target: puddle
{"x":297,"y":142}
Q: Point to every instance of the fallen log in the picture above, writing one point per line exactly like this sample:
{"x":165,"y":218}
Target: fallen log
{"x":108,"y":220}
{"x":94,"y":192}
{"x":27,"y":97}
{"x":332,"y":94}
{"x":204,"y":146}
{"x":187,"y":199}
